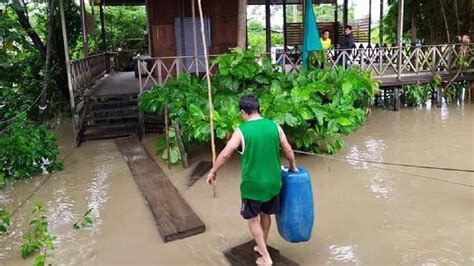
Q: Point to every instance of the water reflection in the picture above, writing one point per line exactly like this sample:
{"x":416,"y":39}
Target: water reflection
{"x":347,"y":254}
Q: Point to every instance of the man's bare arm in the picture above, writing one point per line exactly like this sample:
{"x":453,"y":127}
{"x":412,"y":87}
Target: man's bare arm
{"x":225,"y":155}
{"x":285,"y":145}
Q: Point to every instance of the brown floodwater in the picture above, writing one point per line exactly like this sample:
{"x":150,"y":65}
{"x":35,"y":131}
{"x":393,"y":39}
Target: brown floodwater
{"x":366,"y":214}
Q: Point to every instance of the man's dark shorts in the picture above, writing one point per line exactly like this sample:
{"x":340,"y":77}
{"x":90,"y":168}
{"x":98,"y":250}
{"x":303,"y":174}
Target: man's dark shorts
{"x":252,"y":208}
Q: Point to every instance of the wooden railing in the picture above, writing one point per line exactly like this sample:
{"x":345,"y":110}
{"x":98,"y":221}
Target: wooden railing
{"x":85,"y":71}
{"x":385,"y":63}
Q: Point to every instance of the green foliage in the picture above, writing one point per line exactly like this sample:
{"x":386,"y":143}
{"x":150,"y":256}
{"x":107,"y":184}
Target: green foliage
{"x":27,"y":150}
{"x":174,"y":155}
{"x":86,"y":220}
{"x":431,"y":26}
{"x":5,"y":222}
{"x":316,"y":107}
{"x":123,"y":22}
{"x":256,"y":37}
{"x":38,"y":239}
{"x":416,"y":95}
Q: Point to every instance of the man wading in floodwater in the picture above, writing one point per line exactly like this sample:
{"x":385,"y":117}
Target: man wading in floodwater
{"x":260,"y":186}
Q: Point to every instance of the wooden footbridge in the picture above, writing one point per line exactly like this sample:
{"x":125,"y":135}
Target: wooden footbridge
{"x":105,"y":103}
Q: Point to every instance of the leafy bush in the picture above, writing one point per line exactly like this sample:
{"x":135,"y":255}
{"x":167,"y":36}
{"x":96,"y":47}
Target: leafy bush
{"x":316,"y":107}
{"x":26,"y":150}
{"x":416,"y":95}
{"x":38,"y":239}
{"x":4,"y":221}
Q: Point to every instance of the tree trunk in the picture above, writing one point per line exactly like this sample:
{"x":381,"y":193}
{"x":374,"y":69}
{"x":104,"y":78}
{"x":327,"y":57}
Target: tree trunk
{"x":445,"y":20}
{"x":242,"y":25}
{"x":25,"y":23}
{"x":414,"y":14}
{"x":44,"y":95}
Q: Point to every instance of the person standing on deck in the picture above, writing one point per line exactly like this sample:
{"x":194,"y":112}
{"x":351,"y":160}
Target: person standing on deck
{"x":348,"y":43}
{"x":260,"y":139}
{"x":325,"y":40}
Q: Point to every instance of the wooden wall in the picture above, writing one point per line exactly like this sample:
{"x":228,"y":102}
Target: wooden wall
{"x":162,"y":14}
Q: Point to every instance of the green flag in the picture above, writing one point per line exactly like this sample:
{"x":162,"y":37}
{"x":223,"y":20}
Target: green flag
{"x":311,"y":41}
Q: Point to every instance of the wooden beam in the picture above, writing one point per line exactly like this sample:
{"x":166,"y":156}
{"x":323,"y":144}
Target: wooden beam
{"x":242,"y":25}
{"x":193,"y":14}
{"x":399,"y":36}
{"x":85,"y":42}
{"x":68,"y":64}
{"x":173,"y":216}
{"x":268,"y":28}
{"x":336,"y":29}
{"x":285,"y":48}
{"x":345,"y":13}
{"x":370,"y":20}
{"x":381,"y":24}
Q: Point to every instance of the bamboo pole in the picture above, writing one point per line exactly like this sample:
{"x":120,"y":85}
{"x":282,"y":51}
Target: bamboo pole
{"x":209,"y":92}
{"x":167,"y":137}
{"x":193,"y":11}
{"x":68,"y":64}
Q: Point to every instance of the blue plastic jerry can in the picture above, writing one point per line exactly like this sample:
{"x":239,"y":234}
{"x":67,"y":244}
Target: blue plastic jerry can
{"x":296,"y":217}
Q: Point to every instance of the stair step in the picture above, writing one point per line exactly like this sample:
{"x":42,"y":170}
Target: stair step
{"x":131,"y":125}
{"x":111,"y":117}
{"x":107,"y":134}
{"x":115,"y":109}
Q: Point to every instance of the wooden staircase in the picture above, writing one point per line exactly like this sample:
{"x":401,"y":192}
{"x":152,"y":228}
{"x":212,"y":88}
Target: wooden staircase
{"x":109,"y":117}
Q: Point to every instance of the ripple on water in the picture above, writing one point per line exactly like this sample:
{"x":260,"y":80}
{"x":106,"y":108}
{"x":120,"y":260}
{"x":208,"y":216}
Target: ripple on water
{"x":346,"y":254}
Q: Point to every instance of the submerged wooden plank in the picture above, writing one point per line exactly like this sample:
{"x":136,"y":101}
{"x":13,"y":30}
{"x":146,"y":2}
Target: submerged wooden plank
{"x":201,"y":168}
{"x":244,"y":254}
{"x":174,"y":218}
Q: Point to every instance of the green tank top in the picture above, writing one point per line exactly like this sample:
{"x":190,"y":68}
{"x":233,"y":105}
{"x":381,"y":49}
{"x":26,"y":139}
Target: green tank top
{"x":260,"y":158}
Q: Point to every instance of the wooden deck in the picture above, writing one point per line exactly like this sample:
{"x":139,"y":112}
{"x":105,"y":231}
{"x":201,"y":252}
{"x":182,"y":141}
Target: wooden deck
{"x":244,"y":255}
{"x":119,"y":83}
{"x":174,"y":218}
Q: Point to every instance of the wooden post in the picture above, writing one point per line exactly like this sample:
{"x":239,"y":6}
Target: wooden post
{"x":285,"y":48}
{"x":345,"y":13}
{"x":335,"y":25}
{"x":370,"y":20}
{"x":399,"y":37}
{"x":182,"y":151}
{"x":183,"y":48}
{"x":242,"y":25}
{"x":440,"y":95}
{"x":85,"y":43}
{"x":193,"y":11}
{"x":68,"y":64}
{"x":381,"y":24}
{"x":396,"y":98}
{"x":167,"y":137}
{"x":268,"y":28}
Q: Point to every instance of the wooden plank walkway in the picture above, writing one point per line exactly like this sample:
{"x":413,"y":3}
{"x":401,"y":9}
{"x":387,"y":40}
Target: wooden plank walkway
{"x":174,"y":218}
{"x":244,"y":255}
{"x":117,"y":84}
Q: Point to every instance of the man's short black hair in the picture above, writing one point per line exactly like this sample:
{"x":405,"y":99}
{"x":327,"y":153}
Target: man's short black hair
{"x":326,"y":30}
{"x":249,"y":104}
{"x":348,"y":27}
